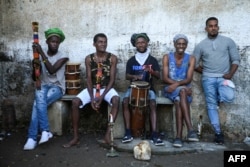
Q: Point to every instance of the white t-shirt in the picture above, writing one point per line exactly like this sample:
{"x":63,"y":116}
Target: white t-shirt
{"x":57,"y":78}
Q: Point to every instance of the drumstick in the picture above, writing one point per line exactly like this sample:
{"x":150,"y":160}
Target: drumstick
{"x":36,"y":61}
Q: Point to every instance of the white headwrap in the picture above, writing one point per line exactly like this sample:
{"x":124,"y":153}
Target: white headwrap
{"x":142,"y":57}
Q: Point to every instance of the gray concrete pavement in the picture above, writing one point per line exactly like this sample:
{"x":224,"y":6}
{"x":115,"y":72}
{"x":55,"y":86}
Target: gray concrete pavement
{"x":188,"y":147}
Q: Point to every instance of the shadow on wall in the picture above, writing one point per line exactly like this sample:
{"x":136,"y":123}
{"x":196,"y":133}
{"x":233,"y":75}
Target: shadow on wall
{"x":4,"y":57}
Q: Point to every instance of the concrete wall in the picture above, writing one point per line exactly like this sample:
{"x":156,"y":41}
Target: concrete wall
{"x":119,"y":19}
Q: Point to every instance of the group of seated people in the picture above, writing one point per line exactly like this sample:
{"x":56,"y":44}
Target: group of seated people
{"x":101,"y":66}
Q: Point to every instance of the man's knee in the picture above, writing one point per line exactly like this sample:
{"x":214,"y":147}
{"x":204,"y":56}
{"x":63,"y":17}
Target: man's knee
{"x":115,"y":100}
{"x":125,"y":102}
{"x":152,"y":103}
{"x":183,"y":92}
{"x":76,"y":102}
{"x":228,"y":98}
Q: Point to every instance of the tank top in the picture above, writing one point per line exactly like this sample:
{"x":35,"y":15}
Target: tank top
{"x":178,"y":73}
{"x":106,"y":65}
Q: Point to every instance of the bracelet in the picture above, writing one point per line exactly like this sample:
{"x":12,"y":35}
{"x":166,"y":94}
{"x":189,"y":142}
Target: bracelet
{"x":45,"y":60}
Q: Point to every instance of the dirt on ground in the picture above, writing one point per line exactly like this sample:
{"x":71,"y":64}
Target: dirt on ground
{"x":90,"y":154}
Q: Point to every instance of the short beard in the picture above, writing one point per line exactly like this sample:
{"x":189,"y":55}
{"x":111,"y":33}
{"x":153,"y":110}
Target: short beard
{"x":213,"y":36}
{"x":143,"y":51}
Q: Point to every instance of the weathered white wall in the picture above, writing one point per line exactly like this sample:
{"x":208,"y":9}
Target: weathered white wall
{"x":119,"y":19}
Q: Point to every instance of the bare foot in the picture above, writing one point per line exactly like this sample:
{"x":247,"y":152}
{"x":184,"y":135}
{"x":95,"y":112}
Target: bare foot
{"x":73,"y":142}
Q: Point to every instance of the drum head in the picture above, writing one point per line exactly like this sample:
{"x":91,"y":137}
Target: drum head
{"x":140,"y":84}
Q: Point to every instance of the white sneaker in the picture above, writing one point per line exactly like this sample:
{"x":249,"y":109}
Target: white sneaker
{"x":45,"y":137}
{"x":30,"y":144}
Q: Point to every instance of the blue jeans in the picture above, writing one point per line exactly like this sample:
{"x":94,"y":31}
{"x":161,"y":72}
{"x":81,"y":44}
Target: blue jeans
{"x":48,"y":94}
{"x":216,"y":92}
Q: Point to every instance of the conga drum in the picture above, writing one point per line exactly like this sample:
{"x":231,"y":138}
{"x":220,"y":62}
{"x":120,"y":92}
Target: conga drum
{"x":72,"y":67}
{"x":138,"y":105}
{"x":73,"y":87}
{"x":72,"y":77}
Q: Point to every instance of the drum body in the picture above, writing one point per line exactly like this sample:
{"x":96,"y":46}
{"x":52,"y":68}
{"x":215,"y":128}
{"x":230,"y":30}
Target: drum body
{"x":72,"y":76}
{"x":73,"y":87}
{"x":138,"y":106}
{"x":72,"y":67}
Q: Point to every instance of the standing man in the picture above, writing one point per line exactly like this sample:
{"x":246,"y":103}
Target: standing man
{"x":52,"y":86}
{"x":178,"y":69}
{"x":141,"y":67}
{"x":101,"y":72}
{"x":220,"y":60}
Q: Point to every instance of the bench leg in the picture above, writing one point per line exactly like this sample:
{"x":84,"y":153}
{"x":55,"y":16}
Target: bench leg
{"x":58,"y":113}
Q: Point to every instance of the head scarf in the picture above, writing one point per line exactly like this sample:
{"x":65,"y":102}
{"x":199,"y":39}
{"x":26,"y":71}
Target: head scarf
{"x":134,"y":37}
{"x":180,"y":36}
{"x":54,"y":32}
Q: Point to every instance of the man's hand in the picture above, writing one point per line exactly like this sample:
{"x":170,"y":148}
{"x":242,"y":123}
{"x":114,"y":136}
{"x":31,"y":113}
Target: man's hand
{"x":227,"y":76}
{"x":96,"y":103}
{"x":189,"y":91}
{"x":172,"y":87}
{"x":37,"y":47}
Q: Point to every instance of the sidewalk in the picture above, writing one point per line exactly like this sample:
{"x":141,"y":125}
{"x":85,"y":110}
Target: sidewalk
{"x":91,"y":154}
{"x":188,"y":147}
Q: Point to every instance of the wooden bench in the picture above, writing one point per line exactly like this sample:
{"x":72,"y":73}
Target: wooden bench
{"x":58,"y":114}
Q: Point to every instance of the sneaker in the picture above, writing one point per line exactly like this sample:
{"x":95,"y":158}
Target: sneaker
{"x":219,"y":139}
{"x":157,"y":141}
{"x":177,"y":143}
{"x":45,"y":137}
{"x":127,"y":139}
{"x":30,"y":144}
{"x":192,"y":136}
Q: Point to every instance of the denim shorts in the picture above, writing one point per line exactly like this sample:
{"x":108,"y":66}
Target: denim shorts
{"x":175,"y":95}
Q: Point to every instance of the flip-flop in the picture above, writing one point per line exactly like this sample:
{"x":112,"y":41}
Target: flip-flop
{"x":68,"y":145}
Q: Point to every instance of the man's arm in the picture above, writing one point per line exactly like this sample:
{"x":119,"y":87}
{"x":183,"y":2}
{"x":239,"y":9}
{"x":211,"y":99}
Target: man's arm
{"x":235,"y":59}
{"x":199,"y":69}
{"x":89,"y":80}
{"x":197,"y":55}
{"x":233,"y":69}
{"x":51,"y":68}
{"x":165,"y":70}
{"x":189,"y":73}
